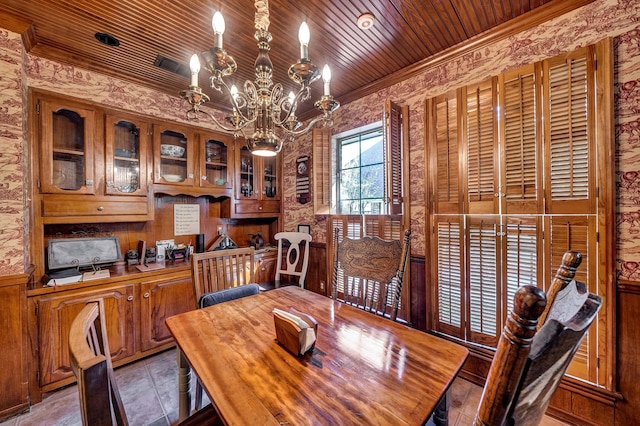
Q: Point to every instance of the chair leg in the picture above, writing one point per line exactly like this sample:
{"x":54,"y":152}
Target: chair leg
{"x":198,"y":399}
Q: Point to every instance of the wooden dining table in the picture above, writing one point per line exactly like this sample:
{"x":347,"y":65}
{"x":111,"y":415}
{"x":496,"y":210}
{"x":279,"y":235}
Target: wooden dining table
{"x":364,"y":369}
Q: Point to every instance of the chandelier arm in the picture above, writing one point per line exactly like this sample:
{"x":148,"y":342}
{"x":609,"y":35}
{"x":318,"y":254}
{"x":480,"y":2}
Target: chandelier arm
{"x":306,"y":128}
{"x":301,"y":96}
{"x":215,"y":120}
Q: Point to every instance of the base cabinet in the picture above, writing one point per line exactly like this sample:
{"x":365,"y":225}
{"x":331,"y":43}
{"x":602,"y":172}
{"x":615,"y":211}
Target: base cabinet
{"x":160,"y":300}
{"x":136,"y":307}
{"x":55,"y":315}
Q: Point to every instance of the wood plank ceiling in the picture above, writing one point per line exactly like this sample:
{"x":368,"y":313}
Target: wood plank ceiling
{"x":407,"y":34}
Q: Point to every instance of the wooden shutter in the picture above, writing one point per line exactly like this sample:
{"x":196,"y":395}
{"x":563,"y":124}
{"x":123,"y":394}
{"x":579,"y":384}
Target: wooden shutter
{"x":394,"y":152}
{"x":387,"y":227}
{"x":444,"y":152}
{"x":483,"y":292}
{"x":321,"y":170}
{"x":575,"y":233}
{"x":449,"y":277}
{"x":569,"y":133}
{"x":521,"y":137}
{"x":481,"y":147}
{"x":522,"y":248}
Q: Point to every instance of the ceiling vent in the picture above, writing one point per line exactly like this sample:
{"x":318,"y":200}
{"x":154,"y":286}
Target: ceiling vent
{"x":172,"y":66}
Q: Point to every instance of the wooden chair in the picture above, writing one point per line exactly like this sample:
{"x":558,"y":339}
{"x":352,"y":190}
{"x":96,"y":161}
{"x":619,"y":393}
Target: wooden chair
{"x":100,"y":402}
{"x":214,"y":298}
{"x":531,"y":359}
{"x":220,"y":269}
{"x":368,"y":272}
{"x":299,"y":246}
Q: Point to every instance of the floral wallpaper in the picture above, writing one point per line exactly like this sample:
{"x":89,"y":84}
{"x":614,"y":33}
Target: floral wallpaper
{"x":602,"y":18}
{"x":13,"y":205}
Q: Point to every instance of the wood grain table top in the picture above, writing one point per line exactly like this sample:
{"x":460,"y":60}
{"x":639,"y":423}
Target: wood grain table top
{"x":364,"y":368}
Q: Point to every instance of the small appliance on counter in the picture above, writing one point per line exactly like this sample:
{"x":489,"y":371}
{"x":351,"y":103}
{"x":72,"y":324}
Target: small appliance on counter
{"x":223,"y":243}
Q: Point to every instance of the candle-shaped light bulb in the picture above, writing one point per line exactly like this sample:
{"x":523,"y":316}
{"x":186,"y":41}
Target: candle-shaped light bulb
{"x":304,"y":36}
{"x":326,"y":77}
{"x":292,"y":97}
{"x":234,"y":91}
{"x":218,"y":28}
{"x":194,"y":64}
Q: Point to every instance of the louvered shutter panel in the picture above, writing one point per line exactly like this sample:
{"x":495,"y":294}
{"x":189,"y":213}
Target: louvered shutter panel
{"x":521,"y":137}
{"x":348,"y":226}
{"x":483,"y":293}
{"x":522,"y":242}
{"x":387,"y":227}
{"x":576,"y":233}
{"x":569,"y":133}
{"x":393,"y":132}
{"x":444,"y":151}
{"x":321,"y":170}
{"x":481,"y":145}
{"x":449,"y":276}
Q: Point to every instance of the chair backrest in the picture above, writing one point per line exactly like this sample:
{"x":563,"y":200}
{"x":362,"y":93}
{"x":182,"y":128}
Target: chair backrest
{"x":220,"y":269}
{"x":299,"y":243}
{"x":100,"y":402}
{"x":369,"y":272}
{"x":529,"y":363}
{"x":228,"y":294}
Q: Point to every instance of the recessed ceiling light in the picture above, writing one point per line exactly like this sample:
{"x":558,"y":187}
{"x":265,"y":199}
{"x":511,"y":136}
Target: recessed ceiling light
{"x":366,"y":20}
{"x":107,"y":39}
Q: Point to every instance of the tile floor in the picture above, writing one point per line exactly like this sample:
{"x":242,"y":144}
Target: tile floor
{"x":149,"y":393}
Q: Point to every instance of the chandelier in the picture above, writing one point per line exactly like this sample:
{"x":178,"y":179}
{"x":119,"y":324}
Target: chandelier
{"x":262,"y":113}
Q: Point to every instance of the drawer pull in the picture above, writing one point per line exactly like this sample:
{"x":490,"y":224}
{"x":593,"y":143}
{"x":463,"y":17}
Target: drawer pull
{"x":146,"y":295}
{"x":100,"y":208}
{"x":130,"y":298}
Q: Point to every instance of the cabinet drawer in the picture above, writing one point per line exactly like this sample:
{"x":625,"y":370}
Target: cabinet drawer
{"x":245,"y":207}
{"x":59,"y":207}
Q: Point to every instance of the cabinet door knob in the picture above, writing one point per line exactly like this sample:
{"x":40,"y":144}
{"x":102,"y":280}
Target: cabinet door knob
{"x":130,"y":298}
{"x":260,"y":208}
{"x":146,"y":295}
{"x":100,"y":208}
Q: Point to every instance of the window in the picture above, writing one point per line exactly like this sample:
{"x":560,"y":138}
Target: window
{"x":358,"y":179}
{"x":360,"y":171}
{"x":359,"y":187}
{"x":517,"y":176}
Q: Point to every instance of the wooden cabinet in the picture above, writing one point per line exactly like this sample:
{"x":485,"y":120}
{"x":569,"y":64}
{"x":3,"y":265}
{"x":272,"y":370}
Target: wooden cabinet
{"x":126,"y":150}
{"x":13,"y":341}
{"x":84,"y":157}
{"x":192,"y":163}
{"x":55,"y":315}
{"x":257,"y":186}
{"x":216,"y":162}
{"x":160,"y":300}
{"x":68,"y":143}
{"x":136,"y":306}
{"x":174,"y":155}
{"x":266,"y":266}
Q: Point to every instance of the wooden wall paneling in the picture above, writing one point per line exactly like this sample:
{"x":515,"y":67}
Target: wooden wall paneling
{"x":317,"y":280}
{"x":418,"y":295}
{"x":14,"y":362}
{"x":628,"y":356}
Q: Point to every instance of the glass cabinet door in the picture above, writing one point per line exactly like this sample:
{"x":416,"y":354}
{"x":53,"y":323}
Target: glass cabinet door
{"x":67,"y":143}
{"x":270,"y":180}
{"x":174,"y":152}
{"x":216,"y":161}
{"x":246,"y":187}
{"x":126,"y":146}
